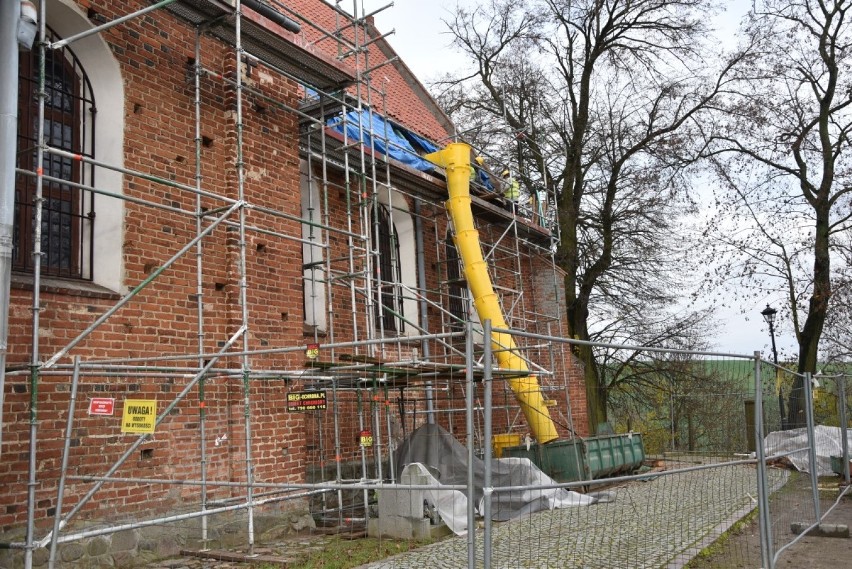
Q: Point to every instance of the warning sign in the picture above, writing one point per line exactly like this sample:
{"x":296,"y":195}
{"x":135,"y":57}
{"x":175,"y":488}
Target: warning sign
{"x":306,"y":401}
{"x":312,"y":351}
{"x":101,"y":406}
{"x":365,"y":438}
{"x":139,"y":416}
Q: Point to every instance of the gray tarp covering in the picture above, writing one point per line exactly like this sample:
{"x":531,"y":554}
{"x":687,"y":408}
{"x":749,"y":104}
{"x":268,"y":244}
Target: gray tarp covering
{"x":445,"y":459}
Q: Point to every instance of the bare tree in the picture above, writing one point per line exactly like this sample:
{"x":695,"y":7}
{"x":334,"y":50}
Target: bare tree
{"x":786,"y":163}
{"x":600,"y":102}
{"x":836,"y":348}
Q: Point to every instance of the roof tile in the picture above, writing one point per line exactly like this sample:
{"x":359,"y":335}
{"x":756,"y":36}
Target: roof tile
{"x":394,"y":91}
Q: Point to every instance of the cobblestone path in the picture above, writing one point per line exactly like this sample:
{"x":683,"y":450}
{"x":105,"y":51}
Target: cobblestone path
{"x":662,"y":522}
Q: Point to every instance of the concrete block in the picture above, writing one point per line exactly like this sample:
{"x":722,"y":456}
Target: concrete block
{"x":822,"y":530}
{"x":401,"y":502}
{"x":421,"y":530}
{"x":399,"y":527}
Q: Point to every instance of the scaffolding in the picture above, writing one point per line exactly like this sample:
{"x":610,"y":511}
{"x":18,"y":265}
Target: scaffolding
{"x":377,"y":361}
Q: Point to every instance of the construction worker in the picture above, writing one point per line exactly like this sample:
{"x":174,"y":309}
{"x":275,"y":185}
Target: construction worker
{"x":511,"y":190}
{"x":484,"y":177}
{"x":538,"y":204}
{"x":474,"y":177}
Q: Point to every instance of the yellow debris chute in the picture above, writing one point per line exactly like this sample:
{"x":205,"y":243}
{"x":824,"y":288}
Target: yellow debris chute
{"x":455,"y":158}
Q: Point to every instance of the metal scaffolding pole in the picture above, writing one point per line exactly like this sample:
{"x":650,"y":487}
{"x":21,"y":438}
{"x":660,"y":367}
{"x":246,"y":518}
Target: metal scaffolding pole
{"x":199,"y":285}
{"x":142,"y":438}
{"x":37,"y":259}
{"x":767,"y":553}
{"x":362,"y":176}
{"x":60,"y":492}
{"x":243,"y":284}
{"x":9,"y":16}
{"x":471,"y":443}
{"x":487,"y":489}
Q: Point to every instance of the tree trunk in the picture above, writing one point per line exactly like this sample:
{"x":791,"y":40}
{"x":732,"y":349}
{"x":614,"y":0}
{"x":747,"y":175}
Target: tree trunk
{"x":690,"y":427}
{"x":595,"y":394}
{"x":596,"y":397}
{"x":812,"y":330}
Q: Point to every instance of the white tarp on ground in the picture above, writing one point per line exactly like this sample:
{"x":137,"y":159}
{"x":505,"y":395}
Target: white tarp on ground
{"x":433,"y":453}
{"x":795,"y":442}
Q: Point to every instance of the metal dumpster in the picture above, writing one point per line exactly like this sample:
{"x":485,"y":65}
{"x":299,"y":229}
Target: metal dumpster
{"x":584,"y":459}
{"x":614,"y":454}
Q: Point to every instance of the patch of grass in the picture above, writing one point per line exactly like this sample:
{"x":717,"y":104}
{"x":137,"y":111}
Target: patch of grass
{"x":342,"y":553}
{"x":718,"y":545}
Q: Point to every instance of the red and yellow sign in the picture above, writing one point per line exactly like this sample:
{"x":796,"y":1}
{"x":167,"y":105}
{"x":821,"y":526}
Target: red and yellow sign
{"x":312,"y":352}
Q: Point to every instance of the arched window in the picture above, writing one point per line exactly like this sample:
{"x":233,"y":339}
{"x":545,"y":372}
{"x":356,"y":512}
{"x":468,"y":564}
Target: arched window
{"x":456,"y":287}
{"x":386,"y":273}
{"x":313,"y":259}
{"x":68,"y":212}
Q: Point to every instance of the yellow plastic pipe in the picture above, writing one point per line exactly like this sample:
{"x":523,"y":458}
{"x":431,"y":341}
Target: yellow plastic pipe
{"x":455,"y":158}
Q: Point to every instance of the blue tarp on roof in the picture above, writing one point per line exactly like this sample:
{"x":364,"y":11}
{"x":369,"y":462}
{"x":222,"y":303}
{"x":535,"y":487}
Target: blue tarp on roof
{"x":393,"y":140}
{"x":418,"y":140}
{"x":389,"y":138}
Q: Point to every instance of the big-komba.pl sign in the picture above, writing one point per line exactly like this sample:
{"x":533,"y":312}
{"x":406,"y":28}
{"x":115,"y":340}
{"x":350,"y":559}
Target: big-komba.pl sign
{"x":306,"y":401}
{"x":139,"y":416}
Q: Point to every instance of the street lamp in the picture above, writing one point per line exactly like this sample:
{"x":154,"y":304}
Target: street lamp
{"x":768,"y":314}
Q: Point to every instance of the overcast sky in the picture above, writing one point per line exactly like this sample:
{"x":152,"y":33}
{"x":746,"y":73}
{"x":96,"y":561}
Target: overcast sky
{"x":423,"y":43}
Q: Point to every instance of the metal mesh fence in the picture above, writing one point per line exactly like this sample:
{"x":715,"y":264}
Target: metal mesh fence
{"x":701,"y":419}
{"x":674,"y":473}
{"x":808,"y":442}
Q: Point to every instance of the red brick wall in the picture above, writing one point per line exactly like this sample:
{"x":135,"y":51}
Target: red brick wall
{"x":154,"y":51}
{"x":162,"y":319}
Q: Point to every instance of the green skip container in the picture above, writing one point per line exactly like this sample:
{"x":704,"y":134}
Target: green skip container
{"x":572,"y":460}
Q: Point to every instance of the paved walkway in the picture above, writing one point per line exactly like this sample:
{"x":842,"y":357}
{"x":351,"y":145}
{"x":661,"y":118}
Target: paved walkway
{"x":663,"y":522}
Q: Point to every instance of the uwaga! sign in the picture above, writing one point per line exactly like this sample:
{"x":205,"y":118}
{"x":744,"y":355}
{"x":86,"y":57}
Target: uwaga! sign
{"x":139,"y":416}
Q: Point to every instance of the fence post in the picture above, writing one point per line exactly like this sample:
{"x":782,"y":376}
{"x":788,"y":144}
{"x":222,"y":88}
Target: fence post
{"x":844,"y":439}
{"x":812,"y":460}
{"x":765,"y":524}
{"x":471,"y":505}
{"x":486,"y":483}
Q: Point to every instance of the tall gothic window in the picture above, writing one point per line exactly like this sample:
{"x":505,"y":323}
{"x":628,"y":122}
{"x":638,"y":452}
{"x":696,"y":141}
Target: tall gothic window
{"x":68,"y":212}
{"x":456,"y":288}
{"x":387,"y":271}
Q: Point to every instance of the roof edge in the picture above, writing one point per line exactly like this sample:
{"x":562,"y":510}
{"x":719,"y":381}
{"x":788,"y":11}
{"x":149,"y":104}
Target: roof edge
{"x":410,"y":78}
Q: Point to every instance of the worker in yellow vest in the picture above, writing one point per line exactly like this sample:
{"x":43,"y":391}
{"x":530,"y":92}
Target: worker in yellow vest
{"x":511,"y":190}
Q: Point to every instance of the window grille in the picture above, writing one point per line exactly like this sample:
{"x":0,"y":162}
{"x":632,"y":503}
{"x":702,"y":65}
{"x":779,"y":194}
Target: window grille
{"x":68,"y":212}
